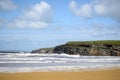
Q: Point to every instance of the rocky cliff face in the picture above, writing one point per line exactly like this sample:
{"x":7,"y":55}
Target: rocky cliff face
{"x":101,"y":48}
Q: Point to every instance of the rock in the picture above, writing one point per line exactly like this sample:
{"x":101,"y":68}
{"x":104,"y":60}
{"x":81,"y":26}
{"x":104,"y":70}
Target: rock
{"x":43,"y":50}
{"x":94,"y":48}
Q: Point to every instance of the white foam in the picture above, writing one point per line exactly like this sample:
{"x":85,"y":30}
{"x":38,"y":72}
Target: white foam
{"x":56,"y":68}
{"x":25,"y":62}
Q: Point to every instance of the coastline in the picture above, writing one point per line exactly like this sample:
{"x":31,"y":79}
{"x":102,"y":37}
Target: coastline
{"x":63,"y":69}
{"x":105,"y":74}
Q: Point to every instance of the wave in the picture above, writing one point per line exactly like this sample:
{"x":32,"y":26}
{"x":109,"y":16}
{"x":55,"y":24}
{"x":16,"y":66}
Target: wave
{"x":35,"y":55}
{"x":18,"y":62}
{"x":51,"y":60}
{"x":56,"y":68}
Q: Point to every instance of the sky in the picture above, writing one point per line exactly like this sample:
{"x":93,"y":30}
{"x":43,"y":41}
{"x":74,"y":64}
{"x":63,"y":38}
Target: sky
{"x":31,"y":24}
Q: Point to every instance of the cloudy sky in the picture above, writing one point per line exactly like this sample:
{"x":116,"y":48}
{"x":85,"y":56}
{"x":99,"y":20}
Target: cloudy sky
{"x":31,"y":24}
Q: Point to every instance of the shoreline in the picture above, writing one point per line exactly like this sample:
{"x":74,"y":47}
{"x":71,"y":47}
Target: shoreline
{"x":65,"y":69}
{"x":109,"y":74}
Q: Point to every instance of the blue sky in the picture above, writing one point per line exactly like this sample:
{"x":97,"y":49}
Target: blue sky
{"x":31,"y":24}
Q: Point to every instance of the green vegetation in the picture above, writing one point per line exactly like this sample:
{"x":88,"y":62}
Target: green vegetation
{"x":112,"y":42}
{"x":47,"y":49}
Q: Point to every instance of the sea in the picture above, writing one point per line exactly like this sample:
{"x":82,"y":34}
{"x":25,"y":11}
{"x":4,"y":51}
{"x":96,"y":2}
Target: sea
{"x":29,"y":62}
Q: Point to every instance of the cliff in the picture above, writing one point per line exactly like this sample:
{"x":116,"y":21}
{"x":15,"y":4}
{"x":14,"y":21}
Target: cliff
{"x":90,"y":48}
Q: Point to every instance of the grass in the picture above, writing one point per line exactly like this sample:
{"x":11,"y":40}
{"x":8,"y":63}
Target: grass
{"x":47,"y":49}
{"x":112,"y":42}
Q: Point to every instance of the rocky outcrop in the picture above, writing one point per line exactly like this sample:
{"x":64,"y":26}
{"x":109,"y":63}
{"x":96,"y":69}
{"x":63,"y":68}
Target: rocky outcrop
{"x":93,"y":48}
{"x":43,"y":50}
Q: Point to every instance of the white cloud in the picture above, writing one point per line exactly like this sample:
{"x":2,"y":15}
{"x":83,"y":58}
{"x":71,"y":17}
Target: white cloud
{"x":38,"y":16}
{"x":106,"y":8}
{"x":98,"y":8}
{"x":28,"y":24}
{"x":6,"y":5}
{"x":83,"y":10}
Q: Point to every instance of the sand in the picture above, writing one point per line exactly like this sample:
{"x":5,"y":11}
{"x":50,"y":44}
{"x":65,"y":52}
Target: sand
{"x":112,"y":74}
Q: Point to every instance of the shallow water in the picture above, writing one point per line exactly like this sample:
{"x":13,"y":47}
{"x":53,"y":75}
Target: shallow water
{"x":25,"y":62}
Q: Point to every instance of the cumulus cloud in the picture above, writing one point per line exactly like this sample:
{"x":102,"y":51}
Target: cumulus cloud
{"x":106,"y":8}
{"x":38,"y":16}
{"x":109,"y":8}
{"x":84,"y":10}
{"x":7,"y":5}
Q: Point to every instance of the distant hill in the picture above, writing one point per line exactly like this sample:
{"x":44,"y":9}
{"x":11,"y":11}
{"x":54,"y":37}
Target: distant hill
{"x":88,"y":48}
{"x":8,"y":51}
{"x":12,"y":51}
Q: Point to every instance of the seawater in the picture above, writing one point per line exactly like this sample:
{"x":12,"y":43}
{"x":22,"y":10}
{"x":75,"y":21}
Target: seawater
{"x":26,"y":62}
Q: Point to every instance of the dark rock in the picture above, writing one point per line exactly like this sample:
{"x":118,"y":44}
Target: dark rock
{"x":89,"y":49}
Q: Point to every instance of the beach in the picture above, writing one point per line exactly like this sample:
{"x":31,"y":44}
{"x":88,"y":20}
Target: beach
{"x":27,"y":66}
{"x":59,"y":40}
{"x":110,"y":74}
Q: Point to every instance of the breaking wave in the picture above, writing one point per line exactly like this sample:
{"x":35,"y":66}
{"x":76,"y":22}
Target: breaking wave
{"x":20,"y":62}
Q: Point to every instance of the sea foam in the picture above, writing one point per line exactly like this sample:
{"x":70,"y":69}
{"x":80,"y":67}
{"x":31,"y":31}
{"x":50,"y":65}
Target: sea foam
{"x":26,"y":62}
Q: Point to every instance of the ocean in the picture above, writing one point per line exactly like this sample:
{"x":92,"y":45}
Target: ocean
{"x":27,"y":62}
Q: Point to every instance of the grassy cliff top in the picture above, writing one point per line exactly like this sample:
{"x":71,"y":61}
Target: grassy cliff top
{"x":47,"y":49}
{"x":112,"y":42}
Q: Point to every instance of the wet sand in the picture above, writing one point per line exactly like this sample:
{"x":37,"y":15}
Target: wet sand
{"x":111,"y":74}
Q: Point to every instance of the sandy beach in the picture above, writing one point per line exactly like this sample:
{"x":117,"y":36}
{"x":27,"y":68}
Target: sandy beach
{"x":111,"y":74}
